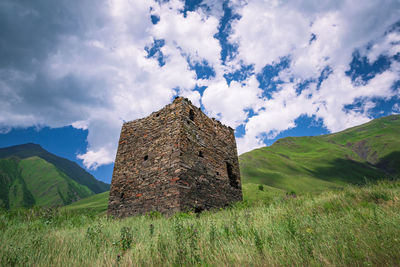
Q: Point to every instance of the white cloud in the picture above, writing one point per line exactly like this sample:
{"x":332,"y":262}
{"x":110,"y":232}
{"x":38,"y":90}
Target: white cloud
{"x":285,"y":106}
{"x":95,"y":158}
{"x":388,"y":45}
{"x":193,"y":34}
{"x":83,"y":125}
{"x":229,"y":103}
{"x":262,"y":26}
{"x":396,"y":108}
{"x":98,"y":79}
{"x":270,"y":30}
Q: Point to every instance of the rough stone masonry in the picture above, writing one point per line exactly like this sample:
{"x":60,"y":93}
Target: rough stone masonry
{"x":176,"y":159}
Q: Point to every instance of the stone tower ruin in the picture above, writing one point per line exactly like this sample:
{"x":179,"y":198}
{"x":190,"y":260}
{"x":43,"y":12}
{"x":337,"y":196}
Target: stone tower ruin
{"x":176,"y":159}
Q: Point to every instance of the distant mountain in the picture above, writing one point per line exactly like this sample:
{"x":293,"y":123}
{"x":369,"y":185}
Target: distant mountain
{"x":70,"y":168}
{"x":31,"y":176}
{"x":363,"y":153}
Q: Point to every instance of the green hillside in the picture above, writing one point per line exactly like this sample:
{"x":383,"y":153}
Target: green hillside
{"x":13,"y":189}
{"x":364,"y":153}
{"x":97,"y":203}
{"x":71,"y":169}
{"x":36,"y":182}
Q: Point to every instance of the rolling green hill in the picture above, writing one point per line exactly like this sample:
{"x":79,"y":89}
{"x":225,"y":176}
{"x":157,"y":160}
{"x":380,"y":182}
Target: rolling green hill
{"x":363,"y":153}
{"x":35,"y":182}
{"x":31,"y":176}
{"x":71,"y":169}
{"x":97,"y":203}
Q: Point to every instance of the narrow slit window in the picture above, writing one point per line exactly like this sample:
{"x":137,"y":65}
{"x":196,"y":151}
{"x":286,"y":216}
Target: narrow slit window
{"x":232,"y":177}
{"x":191,"y":115}
{"x":122,"y":196}
{"x":201,"y":154}
{"x":146,"y":158}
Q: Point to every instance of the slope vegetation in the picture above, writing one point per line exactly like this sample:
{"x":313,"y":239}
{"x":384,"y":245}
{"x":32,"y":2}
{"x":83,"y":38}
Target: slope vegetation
{"x":35,"y":182}
{"x":97,"y":203}
{"x":71,"y":169}
{"x":367,"y":152}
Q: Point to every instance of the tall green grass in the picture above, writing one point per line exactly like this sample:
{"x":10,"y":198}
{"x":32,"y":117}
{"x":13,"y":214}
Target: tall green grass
{"x":354,"y":226}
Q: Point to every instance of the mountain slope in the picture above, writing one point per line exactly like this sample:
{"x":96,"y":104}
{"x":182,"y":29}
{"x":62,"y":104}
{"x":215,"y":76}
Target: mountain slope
{"x":367,"y":152}
{"x":71,"y":169}
{"x":97,"y":203}
{"x":35,"y":182}
{"x":13,"y":189}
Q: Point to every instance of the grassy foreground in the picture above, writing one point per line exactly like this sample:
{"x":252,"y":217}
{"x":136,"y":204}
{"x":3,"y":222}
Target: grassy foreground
{"x":354,"y":226}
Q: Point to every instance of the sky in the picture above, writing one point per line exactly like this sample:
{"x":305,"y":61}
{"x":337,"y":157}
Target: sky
{"x":71,"y":72}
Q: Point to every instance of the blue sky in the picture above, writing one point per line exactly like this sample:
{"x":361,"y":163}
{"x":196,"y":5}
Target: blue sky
{"x":72,"y":72}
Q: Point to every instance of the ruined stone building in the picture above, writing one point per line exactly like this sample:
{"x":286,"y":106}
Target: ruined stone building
{"x":176,"y":159}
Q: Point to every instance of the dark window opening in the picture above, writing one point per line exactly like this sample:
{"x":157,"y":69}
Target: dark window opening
{"x":217,"y":173}
{"x":198,"y":209}
{"x":157,"y":114}
{"x":201,"y":154}
{"x":232,"y":177}
{"x":191,"y":115}
{"x":122,"y":196}
{"x":146,"y":157}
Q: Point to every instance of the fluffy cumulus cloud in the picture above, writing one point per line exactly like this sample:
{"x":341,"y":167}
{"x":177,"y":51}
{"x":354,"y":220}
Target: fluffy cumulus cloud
{"x":94,"y":64}
{"x":320,"y":41}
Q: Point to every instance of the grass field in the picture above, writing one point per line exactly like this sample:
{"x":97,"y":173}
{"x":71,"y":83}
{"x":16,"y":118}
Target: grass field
{"x":96,"y":203}
{"x":354,"y":226}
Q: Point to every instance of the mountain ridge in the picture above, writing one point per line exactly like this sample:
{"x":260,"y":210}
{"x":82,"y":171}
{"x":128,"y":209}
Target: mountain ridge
{"x":70,"y":168}
{"x":32,"y":176}
{"x":34,"y":181}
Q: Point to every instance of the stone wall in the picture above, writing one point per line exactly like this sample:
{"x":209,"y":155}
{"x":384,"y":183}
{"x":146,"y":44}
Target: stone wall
{"x":173,"y":160}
